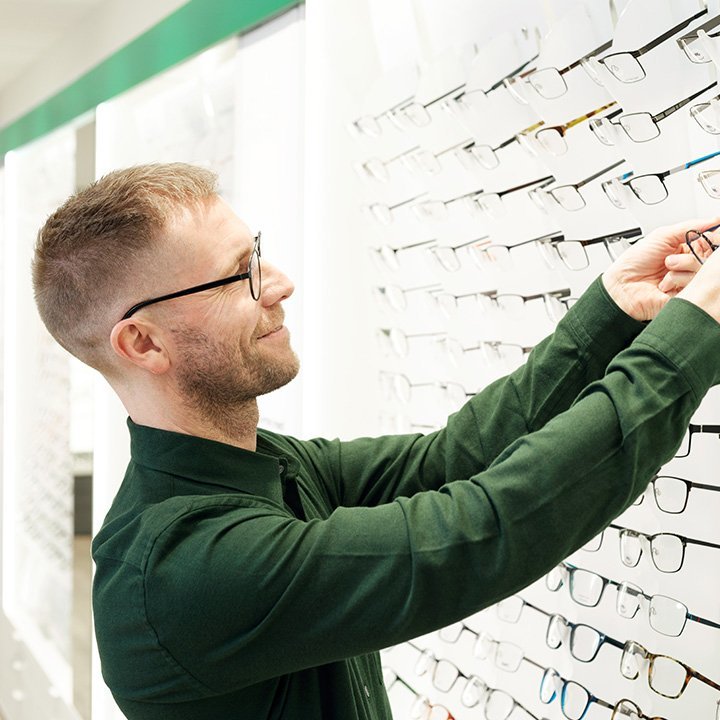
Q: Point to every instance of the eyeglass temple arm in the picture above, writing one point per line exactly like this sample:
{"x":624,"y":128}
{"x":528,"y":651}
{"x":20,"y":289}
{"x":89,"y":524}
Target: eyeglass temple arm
{"x":702,"y":621}
{"x":669,"y":111}
{"x":667,"y":34}
{"x":707,"y":25}
{"x":187,"y":291}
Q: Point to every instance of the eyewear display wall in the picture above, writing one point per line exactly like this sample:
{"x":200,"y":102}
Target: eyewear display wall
{"x":478,"y":274}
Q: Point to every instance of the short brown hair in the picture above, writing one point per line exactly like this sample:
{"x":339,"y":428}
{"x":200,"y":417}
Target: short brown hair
{"x":91,"y":247}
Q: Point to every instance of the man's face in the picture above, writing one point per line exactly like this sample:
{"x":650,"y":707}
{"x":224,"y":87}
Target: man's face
{"x":228,"y":348}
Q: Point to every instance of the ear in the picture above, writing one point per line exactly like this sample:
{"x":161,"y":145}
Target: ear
{"x":140,"y":343}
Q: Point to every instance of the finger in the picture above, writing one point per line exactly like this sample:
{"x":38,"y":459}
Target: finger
{"x":682,"y":262}
{"x":675,"y":281}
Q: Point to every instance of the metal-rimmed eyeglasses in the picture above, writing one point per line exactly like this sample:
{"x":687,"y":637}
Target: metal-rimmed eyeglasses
{"x":626,"y":67}
{"x":253,"y":275}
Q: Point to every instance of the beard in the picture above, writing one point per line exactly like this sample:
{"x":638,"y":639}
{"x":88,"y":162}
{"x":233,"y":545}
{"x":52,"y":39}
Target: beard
{"x":219,"y":380}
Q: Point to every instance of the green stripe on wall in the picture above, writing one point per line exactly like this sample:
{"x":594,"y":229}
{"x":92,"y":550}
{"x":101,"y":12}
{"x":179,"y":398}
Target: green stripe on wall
{"x":189,"y":30}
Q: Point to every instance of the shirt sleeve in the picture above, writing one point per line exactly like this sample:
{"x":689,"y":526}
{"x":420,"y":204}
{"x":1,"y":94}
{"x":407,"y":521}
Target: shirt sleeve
{"x":239,"y":594}
{"x":371,"y":471}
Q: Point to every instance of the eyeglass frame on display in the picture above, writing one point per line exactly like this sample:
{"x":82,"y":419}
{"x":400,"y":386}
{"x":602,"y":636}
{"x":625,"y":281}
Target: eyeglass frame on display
{"x":378,"y":252}
{"x":483,"y":635}
{"x":376,"y":119}
{"x":630,"y":532}
{"x":577,"y":63}
{"x":423,"y":214}
{"x":394,"y":115}
{"x":565,"y":683}
{"x":576,"y":187}
{"x":433,"y":252}
{"x":500,"y":194}
{"x":685,"y":41}
{"x":639,"y":52}
{"x":630,"y":180}
{"x":255,"y":254}
{"x":694,"y":429}
{"x":370,"y":209}
{"x":367,"y":169}
{"x":479,"y":296}
{"x":449,"y":107}
{"x":560,"y":295}
{"x":635,"y":710}
{"x":418,"y":697}
{"x":617,"y":121}
{"x":689,"y":484}
{"x":651,"y":657}
{"x":603,"y":638}
{"x":621,"y":586}
{"x":381,"y":292}
{"x":561,"y":130}
{"x":696,"y":110}
{"x":554,"y":241}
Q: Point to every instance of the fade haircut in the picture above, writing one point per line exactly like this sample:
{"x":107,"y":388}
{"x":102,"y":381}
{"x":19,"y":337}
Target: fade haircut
{"x":92,"y":248}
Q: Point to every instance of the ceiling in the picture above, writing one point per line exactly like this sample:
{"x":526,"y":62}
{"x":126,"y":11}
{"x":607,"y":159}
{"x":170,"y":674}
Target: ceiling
{"x":29,"y":27}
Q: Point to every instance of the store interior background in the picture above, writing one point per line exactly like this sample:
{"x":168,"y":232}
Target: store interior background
{"x":270,"y":106}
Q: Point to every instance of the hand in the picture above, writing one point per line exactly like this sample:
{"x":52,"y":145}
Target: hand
{"x":655,"y":269}
{"x":703,"y":289}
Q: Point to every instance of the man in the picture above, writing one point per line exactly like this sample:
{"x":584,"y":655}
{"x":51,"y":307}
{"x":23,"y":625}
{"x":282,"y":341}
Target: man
{"x":245,"y":574}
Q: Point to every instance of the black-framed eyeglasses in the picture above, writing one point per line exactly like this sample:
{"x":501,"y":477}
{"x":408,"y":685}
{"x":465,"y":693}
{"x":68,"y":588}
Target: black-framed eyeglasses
{"x":584,"y":640}
{"x":701,"y":246}
{"x":626,"y":67}
{"x":686,"y":444}
{"x":253,"y":275}
{"x":671,"y":493}
{"x":573,"y":253}
{"x":649,"y":188}
{"x":666,"y":550}
{"x":639,"y":126}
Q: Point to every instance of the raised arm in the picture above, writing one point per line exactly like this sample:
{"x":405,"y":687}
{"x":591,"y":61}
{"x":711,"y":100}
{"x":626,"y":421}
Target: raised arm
{"x":609,"y":315}
{"x":240,"y":594}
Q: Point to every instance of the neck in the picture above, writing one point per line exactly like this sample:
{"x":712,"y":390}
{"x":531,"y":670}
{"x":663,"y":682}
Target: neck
{"x":233,"y":426}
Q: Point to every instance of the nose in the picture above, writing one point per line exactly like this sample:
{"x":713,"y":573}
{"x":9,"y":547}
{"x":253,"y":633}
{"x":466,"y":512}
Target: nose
{"x":276,"y":286}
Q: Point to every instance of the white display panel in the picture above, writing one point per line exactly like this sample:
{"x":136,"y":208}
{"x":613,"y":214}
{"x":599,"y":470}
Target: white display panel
{"x":428,"y":182}
{"x":37,"y":507}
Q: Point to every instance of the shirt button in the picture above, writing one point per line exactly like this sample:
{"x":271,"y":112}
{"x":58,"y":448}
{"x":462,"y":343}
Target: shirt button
{"x":367,"y":692}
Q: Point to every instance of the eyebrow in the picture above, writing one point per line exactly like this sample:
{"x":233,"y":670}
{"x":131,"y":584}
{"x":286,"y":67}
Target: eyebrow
{"x":235,"y":268}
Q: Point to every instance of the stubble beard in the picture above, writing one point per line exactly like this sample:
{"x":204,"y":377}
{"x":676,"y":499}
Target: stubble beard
{"x":220,"y":381}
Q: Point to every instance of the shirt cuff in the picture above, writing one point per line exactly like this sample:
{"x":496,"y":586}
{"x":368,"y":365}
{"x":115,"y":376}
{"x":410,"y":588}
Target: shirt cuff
{"x":690,"y":339}
{"x":599,"y":323}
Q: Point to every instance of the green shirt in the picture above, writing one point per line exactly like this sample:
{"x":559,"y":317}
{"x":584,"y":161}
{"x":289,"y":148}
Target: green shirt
{"x":233,"y":584}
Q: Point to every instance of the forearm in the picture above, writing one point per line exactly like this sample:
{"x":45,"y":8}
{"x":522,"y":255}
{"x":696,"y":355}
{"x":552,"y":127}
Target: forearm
{"x":366,"y":578}
{"x":371,"y":471}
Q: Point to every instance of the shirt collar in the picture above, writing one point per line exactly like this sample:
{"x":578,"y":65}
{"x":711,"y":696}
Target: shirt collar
{"x":208,"y":461}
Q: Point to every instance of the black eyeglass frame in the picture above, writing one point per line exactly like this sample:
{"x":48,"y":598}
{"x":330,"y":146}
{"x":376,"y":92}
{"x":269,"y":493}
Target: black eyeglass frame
{"x":248,"y":275}
{"x":639,"y":52}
